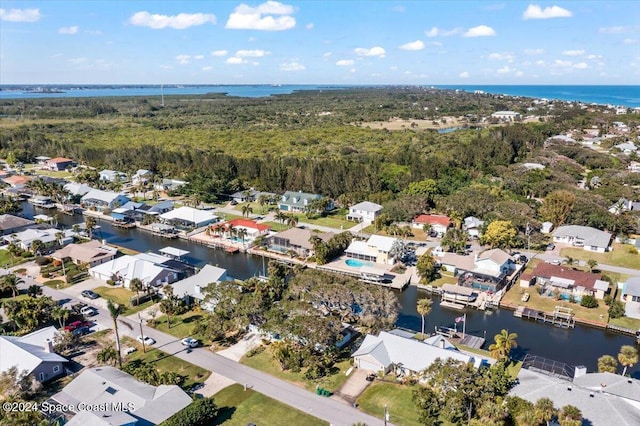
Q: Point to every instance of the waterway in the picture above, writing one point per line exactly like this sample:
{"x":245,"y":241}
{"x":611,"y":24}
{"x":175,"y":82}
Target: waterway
{"x":579,"y":346}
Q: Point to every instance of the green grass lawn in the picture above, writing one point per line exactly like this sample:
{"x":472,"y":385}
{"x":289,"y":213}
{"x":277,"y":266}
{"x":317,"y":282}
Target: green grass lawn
{"x":182,"y":326}
{"x":444,"y":279}
{"x":417,"y":234}
{"x":335,"y":220}
{"x":397,"y":398}
{"x":240,"y":407}
{"x":619,"y":256}
{"x":626,"y":322}
{"x":7,"y":260}
{"x":165,"y":362}
{"x":122,"y":296}
{"x":57,"y":284}
{"x":265,"y":362}
{"x":276,"y":226}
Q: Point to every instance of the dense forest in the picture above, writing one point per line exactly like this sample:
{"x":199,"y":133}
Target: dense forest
{"x":319,"y":141}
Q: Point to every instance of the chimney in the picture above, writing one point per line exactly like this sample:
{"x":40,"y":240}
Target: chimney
{"x":48,"y":346}
{"x":197,"y":289}
{"x":441,"y":343}
{"x":580,"y":371}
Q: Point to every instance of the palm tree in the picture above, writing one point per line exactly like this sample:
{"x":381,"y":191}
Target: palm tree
{"x":281,"y":216}
{"x":90,"y":225}
{"x":219,"y":229}
{"x":36,"y":245}
{"x":34,"y":290}
{"x":115,"y":311}
{"x":504,"y":342}
{"x":424,"y":308}
{"x":570,"y":415}
{"x":61,"y":314}
{"x":137,"y":286}
{"x":242,"y":233}
{"x":11,"y":282}
{"x":108,"y":355}
{"x":292,"y":221}
{"x":527,"y":418}
{"x":545,"y":410}
{"x":76,"y":229}
{"x":246,"y":210}
{"x":628,"y":356}
{"x":607,"y":364}
{"x":59,"y":238}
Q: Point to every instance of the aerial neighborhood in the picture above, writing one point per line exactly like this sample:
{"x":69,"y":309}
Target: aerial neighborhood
{"x":398,"y":257}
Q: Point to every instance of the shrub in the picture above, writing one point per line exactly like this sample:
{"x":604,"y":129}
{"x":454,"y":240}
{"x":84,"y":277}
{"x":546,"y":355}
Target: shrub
{"x":200,"y":412}
{"x":616,"y":309}
{"x":633,"y":250}
{"x":608,"y":299}
{"x":255,"y":351}
{"x":41,"y":260}
{"x":589,"y":301}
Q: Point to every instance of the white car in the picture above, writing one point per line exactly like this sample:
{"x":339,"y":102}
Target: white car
{"x":129,"y":350}
{"x":146,"y":340}
{"x":190,"y":342}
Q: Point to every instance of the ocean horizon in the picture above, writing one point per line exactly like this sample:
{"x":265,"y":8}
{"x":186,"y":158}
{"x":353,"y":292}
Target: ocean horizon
{"x":618,"y":95}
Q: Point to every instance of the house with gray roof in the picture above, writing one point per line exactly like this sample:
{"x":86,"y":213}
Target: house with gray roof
{"x":296,"y":240}
{"x":10,"y":224}
{"x":101,"y":200}
{"x":387,"y":351}
{"x":586,"y":237}
{"x":112,"y":176}
{"x":473,"y":226}
{"x":32,"y":353}
{"x":192,"y":288}
{"x":127,"y":401}
{"x":297,"y":202}
{"x":365,"y":211}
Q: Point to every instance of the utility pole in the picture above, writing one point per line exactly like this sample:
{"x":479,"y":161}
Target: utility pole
{"x":528,"y":234}
{"x":144,"y":348}
{"x":386,"y":415}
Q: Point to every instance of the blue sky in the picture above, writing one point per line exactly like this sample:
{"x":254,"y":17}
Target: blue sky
{"x":319,"y":42}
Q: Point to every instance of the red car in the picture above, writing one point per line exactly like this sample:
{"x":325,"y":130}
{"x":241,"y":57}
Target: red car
{"x":77,"y":324}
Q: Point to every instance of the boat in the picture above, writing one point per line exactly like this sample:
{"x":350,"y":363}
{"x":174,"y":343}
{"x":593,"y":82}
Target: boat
{"x":43,"y":202}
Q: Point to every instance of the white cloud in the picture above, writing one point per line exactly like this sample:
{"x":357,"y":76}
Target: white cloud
{"x":345,"y":62}
{"x":207,"y":68}
{"x":504,"y":70}
{"x":413,"y":45}
{"x":464,"y":74}
{"x":352,"y":70}
{"x":594,"y":57}
{"x":541,"y":63}
{"x":20,"y":15}
{"x":198,"y":57}
{"x":536,"y":12}
{"x":93,"y":32}
{"x":629,"y":41}
{"x":68,"y":30}
{"x":480,"y":31}
{"x":502,"y":57}
{"x":292,"y":66}
{"x":309,"y":26}
{"x":374,"y":51}
{"x":183,"y":59}
{"x":562,"y":64}
{"x":252,"y":53}
{"x":235,"y":60}
{"x":219,"y":53}
{"x":534,"y":51}
{"x":579,"y":52}
{"x":180,"y":21}
{"x":327,"y":54}
{"x":245,"y":17}
{"x":439,"y":32}
{"x":613,"y":30}
{"x":581,"y":65}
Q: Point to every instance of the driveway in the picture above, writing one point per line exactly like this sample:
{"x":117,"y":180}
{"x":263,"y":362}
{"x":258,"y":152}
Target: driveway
{"x":239,"y":350}
{"x":353,"y":387}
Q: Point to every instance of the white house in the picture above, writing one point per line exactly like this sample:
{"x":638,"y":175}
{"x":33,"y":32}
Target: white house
{"x":113,"y":397}
{"x":92,"y":253}
{"x":409,"y":356}
{"x":48,"y":237}
{"x":77,"y":189}
{"x":188,"y":217}
{"x":365,"y":211}
{"x":148,"y":268}
{"x":473,"y":225}
{"x":590,"y":239}
{"x":141,"y":176}
{"x":104,"y":199}
{"x":506,"y":115}
{"x":297,"y":202}
{"x":438,"y":223}
{"x":252,"y":228}
{"x":546,"y":227}
{"x":112,"y":175}
{"x":193,"y":286}
{"x":376,"y":249}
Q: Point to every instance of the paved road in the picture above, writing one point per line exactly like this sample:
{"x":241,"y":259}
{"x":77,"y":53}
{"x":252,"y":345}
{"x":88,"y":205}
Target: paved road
{"x":334,"y":412}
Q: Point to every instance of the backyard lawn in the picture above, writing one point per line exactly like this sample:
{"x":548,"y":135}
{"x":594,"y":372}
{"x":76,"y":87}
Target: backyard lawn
{"x":397,"y":398}
{"x":417,"y":234}
{"x":276,"y":226}
{"x":626,"y":322}
{"x":265,"y":362}
{"x":122,"y":296}
{"x":239,"y":408}
{"x":619,"y":256}
{"x":182,"y":326}
{"x":7,"y":260}
{"x":165,"y":362}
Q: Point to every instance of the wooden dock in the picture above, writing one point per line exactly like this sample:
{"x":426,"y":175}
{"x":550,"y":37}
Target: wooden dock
{"x":560,"y":317}
{"x":472,"y":341}
{"x":125,"y":225}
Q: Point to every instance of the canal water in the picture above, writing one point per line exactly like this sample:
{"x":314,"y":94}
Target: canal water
{"x":579,"y":346}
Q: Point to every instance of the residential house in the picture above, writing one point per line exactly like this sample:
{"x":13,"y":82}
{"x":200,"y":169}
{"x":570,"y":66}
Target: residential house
{"x":438,"y":223}
{"x":546,"y":227}
{"x":188,"y":217}
{"x":249,"y":195}
{"x":42,"y":160}
{"x":77,"y":189}
{"x":533,"y":166}
{"x":112,"y":176}
{"x":16,"y":181}
{"x":92,"y":253}
{"x":142,"y":176}
{"x":377,"y":249}
{"x":151,"y":269}
{"x":126,"y":213}
{"x":169,"y":184}
{"x":473,"y":226}
{"x":113,"y":397}
{"x":634,"y":167}
{"x":624,"y":205}
{"x":489,"y":271}
{"x":50,"y":238}
{"x":192,"y":288}
{"x":571,"y":283}
{"x":506,"y":115}
{"x":590,"y":239}
{"x":296,"y":202}
{"x":627,"y":148}
{"x":365,"y":211}
{"x":631,"y":290}
{"x":154,"y":210}
{"x":387,"y":352}
{"x":253,"y":229}
{"x":295,"y":240}
{"x":101,"y":200}
{"x":58,"y":163}
{"x":32,"y":353}
{"x":10,"y":224}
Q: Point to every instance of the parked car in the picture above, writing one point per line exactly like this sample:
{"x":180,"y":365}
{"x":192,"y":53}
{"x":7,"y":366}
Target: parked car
{"x":88,"y":311}
{"x":190,"y":342}
{"x":371,"y":377}
{"x":89,"y":294}
{"x":551,"y":247}
{"x":129,"y":350}
{"x":78,"y":307}
{"x":146,"y":340}
{"x":81,"y":331}
{"x":77,"y":324}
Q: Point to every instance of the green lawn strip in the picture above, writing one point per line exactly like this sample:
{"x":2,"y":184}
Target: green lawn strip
{"x":165,"y":362}
{"x":57,"y":284}
{"x":439,"y":282}
{"x":122,"y":296}
{"x":626,"y":322}
{"x":240,"y":407}
{"x":265,"y":363}
{"x":182,"y":326}
{"x":276,"y":226}
{"x":6,"y":260}
{"x":619,"y":256}
{"x":548,"y":304}
{"x":397,"y":398}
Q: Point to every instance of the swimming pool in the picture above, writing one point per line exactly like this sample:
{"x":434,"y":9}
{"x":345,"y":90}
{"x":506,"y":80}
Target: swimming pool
{"x":357,"y":263}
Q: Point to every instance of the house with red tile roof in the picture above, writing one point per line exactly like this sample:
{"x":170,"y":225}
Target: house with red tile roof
{"x":253,"y":228}
{"x":58,"y":163}
{"x":16,"y":181}
{"x":568,"y":281}
{"x":439,"y":223}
